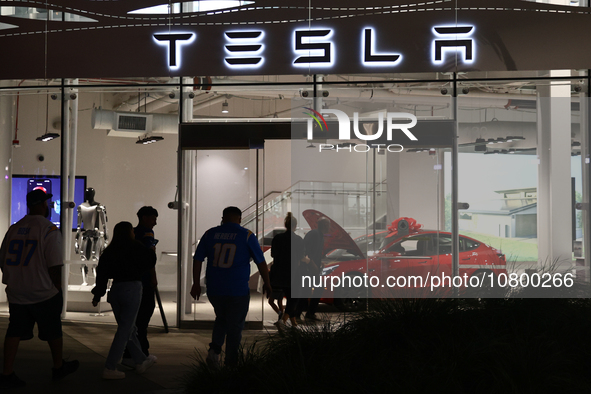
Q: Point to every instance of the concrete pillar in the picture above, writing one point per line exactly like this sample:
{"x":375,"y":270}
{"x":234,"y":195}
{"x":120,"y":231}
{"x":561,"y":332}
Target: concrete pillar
{"x":188,"y":209}
{"x":554,"y":172}
{"x":585,"y":162}
{"x":7,"y":124}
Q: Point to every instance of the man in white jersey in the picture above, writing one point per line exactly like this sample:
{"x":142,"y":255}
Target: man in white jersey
{"x":31,"y":263}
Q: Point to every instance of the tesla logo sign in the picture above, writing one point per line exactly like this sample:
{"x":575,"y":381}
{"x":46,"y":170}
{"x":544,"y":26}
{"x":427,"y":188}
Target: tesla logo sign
{"x":373,"y":59}
{"x":311,"y":42}
{"x":453,"y":38}
{"x":174,"y":42}
{"x":245,"y":49}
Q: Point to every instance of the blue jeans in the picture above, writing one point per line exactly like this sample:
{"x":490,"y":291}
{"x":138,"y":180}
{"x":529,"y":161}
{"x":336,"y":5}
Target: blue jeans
{"x":125,"y":298}
{"x":230,"y":314}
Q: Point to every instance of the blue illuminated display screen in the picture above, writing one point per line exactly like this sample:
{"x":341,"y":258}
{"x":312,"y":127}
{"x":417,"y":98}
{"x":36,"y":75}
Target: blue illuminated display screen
{"x":22,"y":184}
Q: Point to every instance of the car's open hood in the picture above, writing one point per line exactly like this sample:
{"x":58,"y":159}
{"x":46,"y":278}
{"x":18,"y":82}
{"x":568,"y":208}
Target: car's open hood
{"x":337,"y":237}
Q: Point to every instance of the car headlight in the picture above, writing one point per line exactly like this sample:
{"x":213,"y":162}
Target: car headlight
{"x":328,"y":270}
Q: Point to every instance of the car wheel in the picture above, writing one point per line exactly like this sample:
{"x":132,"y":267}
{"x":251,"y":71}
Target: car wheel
{"x":352,"y":299}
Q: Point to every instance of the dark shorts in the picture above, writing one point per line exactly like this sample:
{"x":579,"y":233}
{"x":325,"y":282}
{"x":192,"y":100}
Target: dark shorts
{"x":46,"y":314}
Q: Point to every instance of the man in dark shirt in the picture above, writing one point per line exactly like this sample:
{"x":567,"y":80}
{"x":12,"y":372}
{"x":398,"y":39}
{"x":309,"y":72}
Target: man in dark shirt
{"x":314,"y":242}
{"x":287,"y":250}
{"x":144,"y":233}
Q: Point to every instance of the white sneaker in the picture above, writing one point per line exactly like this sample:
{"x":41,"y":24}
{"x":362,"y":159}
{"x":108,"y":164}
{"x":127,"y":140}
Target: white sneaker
{"x":213,"y":359}
{"x":110,"y":374}
{"x":148,"y":362}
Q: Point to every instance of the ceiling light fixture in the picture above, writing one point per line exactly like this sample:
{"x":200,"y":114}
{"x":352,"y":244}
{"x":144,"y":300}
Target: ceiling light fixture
{"x":480,"y":145}
{"x":148,"y":139}
{"x":514,"y":138}
{"x":47,"y":137}
{"x":225,"y":109}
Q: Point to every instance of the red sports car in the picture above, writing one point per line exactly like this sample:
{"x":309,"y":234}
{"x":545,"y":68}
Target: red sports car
{"x":404,"y":261}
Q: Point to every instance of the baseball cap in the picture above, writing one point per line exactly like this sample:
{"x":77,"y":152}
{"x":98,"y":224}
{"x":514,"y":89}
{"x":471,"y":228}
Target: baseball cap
{"x":37,"y":196}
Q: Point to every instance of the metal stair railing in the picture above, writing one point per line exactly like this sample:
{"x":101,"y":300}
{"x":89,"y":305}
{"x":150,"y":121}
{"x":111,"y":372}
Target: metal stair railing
{"x":266,"y":204}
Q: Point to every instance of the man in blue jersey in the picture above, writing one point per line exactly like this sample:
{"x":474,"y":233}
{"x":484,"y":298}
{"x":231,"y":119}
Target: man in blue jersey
{"x":228,"y":249}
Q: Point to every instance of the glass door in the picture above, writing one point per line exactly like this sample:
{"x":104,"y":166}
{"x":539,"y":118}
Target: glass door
{"x":212,"y":180}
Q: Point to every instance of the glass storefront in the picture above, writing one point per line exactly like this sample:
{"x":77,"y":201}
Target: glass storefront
{"x":520,"y":174}
{"x":515,"y":179}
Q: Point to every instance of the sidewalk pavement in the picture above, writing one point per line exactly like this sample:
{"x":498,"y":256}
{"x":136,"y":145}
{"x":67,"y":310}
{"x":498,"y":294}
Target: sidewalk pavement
{"x":89,"y":343}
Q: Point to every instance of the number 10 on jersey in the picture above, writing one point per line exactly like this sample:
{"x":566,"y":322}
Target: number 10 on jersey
{"x":224,"y":255}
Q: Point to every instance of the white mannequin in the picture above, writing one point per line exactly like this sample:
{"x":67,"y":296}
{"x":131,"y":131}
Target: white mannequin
{"x":91,"y":242}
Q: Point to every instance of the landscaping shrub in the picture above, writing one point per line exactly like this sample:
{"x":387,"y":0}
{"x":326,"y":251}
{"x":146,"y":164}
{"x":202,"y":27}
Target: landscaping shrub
{"x":420,"y":346}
